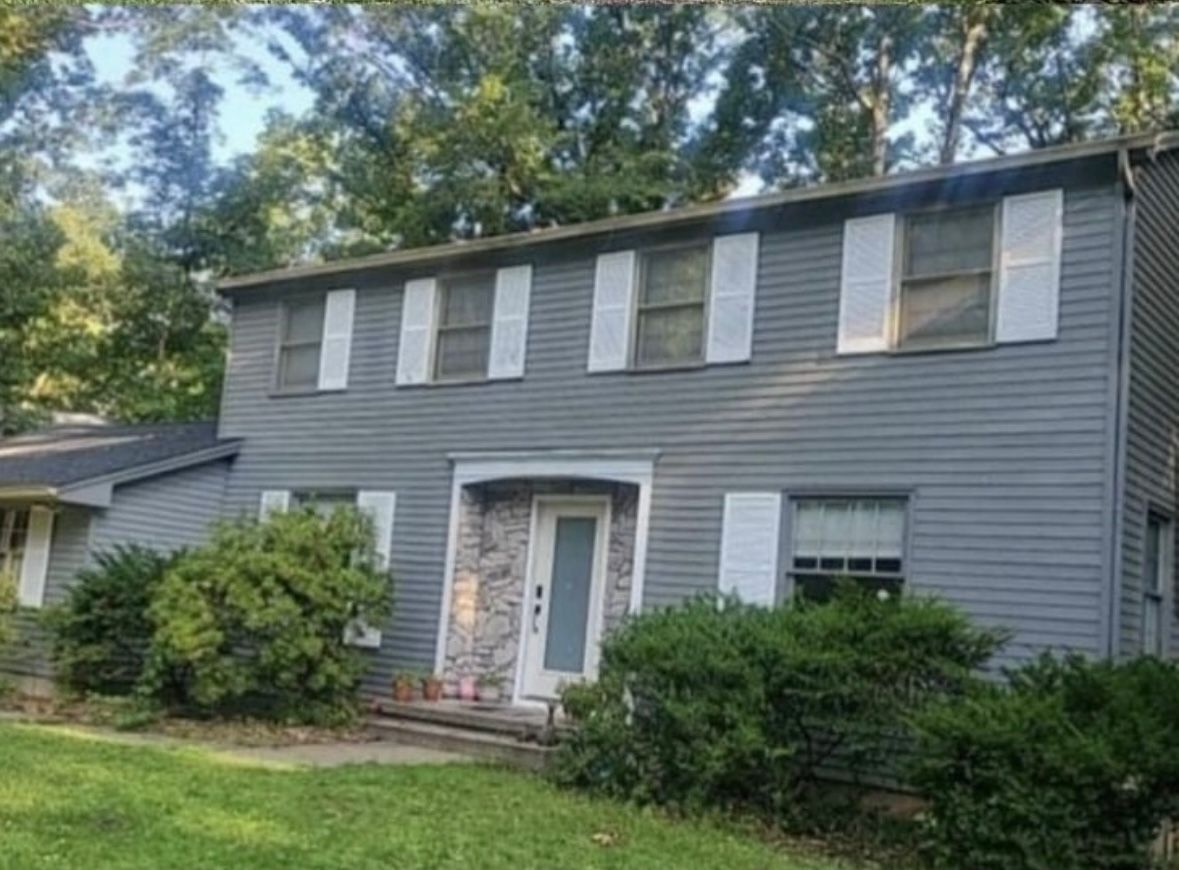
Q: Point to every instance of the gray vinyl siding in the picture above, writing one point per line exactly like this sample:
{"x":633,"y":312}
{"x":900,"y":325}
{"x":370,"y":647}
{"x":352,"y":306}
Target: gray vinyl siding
{"x":69,"y":546}
{"x":1005,"y":450}
{"x":1153,"y":408}
{"x":165,"y":512}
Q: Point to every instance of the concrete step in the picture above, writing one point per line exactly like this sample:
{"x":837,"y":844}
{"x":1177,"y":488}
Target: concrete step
{"x":528,"y":725}
{"x":483,"y":745}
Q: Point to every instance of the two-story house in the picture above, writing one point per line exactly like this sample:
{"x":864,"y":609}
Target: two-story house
{"x":958,"y":381}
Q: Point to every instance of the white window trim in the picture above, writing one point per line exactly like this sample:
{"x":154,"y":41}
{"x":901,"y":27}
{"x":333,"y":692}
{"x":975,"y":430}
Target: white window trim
{"x":638,"y":308}
{"x":444,"y":282}
{"x":899,"y":277}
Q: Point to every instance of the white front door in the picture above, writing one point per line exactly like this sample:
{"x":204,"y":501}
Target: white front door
{"x":563,"y":609}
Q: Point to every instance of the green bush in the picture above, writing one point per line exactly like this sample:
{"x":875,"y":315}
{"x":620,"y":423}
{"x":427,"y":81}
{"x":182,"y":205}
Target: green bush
{"x":102,"y":631}
{"x":1074,"y":764}
{"x":254,"y":622}
{"x":743,"y":707}
{"x":7,"y":609}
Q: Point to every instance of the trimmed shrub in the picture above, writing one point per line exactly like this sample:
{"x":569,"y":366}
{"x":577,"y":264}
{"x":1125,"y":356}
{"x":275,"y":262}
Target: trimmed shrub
{"x":255,"y":621}
{"x":1074,"y":764}
{"x":101,"y":632}
{"x":744,"y":707}
{"x":7,"y":609}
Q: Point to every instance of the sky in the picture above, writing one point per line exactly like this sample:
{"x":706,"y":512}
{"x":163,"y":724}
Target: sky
{"x":243,"y":109}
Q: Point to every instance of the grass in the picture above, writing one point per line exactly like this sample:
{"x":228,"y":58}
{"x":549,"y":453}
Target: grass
{"x":68,"y":799}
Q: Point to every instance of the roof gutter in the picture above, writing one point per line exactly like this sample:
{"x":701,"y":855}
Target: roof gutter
{"x":28,"y":493}
{"x":689,"y":214}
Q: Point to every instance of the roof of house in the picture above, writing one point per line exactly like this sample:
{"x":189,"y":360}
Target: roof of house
{"x":704,"y":211}
{"x":52,"y":461}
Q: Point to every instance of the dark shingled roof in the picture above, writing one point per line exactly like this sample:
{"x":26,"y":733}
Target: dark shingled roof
{"x":63,"y":455}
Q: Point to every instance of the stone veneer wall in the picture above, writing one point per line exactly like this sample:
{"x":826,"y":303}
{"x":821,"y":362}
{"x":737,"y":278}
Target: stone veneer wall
{"x":491,"y":564}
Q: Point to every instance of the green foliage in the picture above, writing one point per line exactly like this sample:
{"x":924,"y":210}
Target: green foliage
{"x":255,"y":620}
{"x":101,"y":632}
{"x":735,"y":706}
{"x":7,"y":609}
{"x":1074,"y":765}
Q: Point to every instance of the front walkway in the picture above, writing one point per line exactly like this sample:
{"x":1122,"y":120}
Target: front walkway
{"x":328,"y":754}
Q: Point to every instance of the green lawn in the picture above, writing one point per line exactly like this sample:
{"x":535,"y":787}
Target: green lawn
{"x":72,"y":801}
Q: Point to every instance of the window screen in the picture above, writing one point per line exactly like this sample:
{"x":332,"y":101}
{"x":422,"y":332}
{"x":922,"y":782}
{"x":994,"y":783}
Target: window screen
{"x":464,"y":327}
{"x":858,"y":538}
{"x":302,"y":338}
{"x":674,"y":286}
{"x":946,"y":278}
{"x":1155,"y":560}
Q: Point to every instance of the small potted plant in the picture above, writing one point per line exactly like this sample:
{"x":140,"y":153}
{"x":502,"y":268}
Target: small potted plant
{"x":491,"y":688}
{"x":468,"y":689}
{"x":403,"y":686}
{"x":432,"y":687}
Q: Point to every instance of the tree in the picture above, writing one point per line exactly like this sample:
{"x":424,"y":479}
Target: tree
{"x":814,"y":93}
{"x":463,"y":122}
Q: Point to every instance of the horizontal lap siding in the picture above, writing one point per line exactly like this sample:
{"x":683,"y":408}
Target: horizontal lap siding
{"x":166,"y":512}
{"x":29,"y":656}
{"x":1152,"y":436}
{"x":1006,"y":448}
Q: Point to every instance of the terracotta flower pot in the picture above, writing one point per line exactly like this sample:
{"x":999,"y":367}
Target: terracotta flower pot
{"x":432,"y":689}
{"x":402,"y":690}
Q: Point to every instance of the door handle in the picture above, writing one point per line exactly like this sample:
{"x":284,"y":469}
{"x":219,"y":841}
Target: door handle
{"x":536,"y":609}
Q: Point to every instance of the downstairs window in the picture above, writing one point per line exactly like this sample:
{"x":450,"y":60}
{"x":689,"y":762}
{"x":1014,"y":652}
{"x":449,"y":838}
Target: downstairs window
{"x":858,"y":538}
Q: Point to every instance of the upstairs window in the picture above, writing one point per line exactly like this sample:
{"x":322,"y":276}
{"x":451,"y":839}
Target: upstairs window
{"x":673,"y":289}
{"x":947,"y":272}
{"x":301,"y":344}
{"x":858,"y":538}
{"x":14,"y":533}
{"x":465,"y":312}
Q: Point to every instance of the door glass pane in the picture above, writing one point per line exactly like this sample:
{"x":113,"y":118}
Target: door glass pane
{"x":573,"y":563}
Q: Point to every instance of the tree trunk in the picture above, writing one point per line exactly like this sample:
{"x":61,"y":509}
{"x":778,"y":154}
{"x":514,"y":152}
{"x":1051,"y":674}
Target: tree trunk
{"x":882,"y":106}
{"x":974,"y":33}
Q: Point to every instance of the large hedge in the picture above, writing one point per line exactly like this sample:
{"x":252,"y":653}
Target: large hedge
{"x":101,"y":632}
{"x":706,"y":706}
{"x":1073,"y":764}
{"x":255,"y":621}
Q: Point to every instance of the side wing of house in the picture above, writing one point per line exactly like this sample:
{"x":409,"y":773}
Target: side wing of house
{"x":69,"y":552}
{"x":165,"y":512}
{"x":1147,"y":620}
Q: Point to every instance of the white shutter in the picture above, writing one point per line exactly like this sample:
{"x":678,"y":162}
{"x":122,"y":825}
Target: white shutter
{"x":337,"y":339}
{"x":380,"y":507}
{"x":35,"y":568}
{"x":417,"y":331}
{"x":865,"y":295}
{"x":749,"y":546}
{"x":1029,"y":267}
{"x":614,"y":287}
{"x":734,"y":286}
{"x":509,"y":329}
{"x":273,"y":501}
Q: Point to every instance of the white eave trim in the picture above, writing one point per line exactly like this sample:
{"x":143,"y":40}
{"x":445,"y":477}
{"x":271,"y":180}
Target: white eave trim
{"x":704,"y":211}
